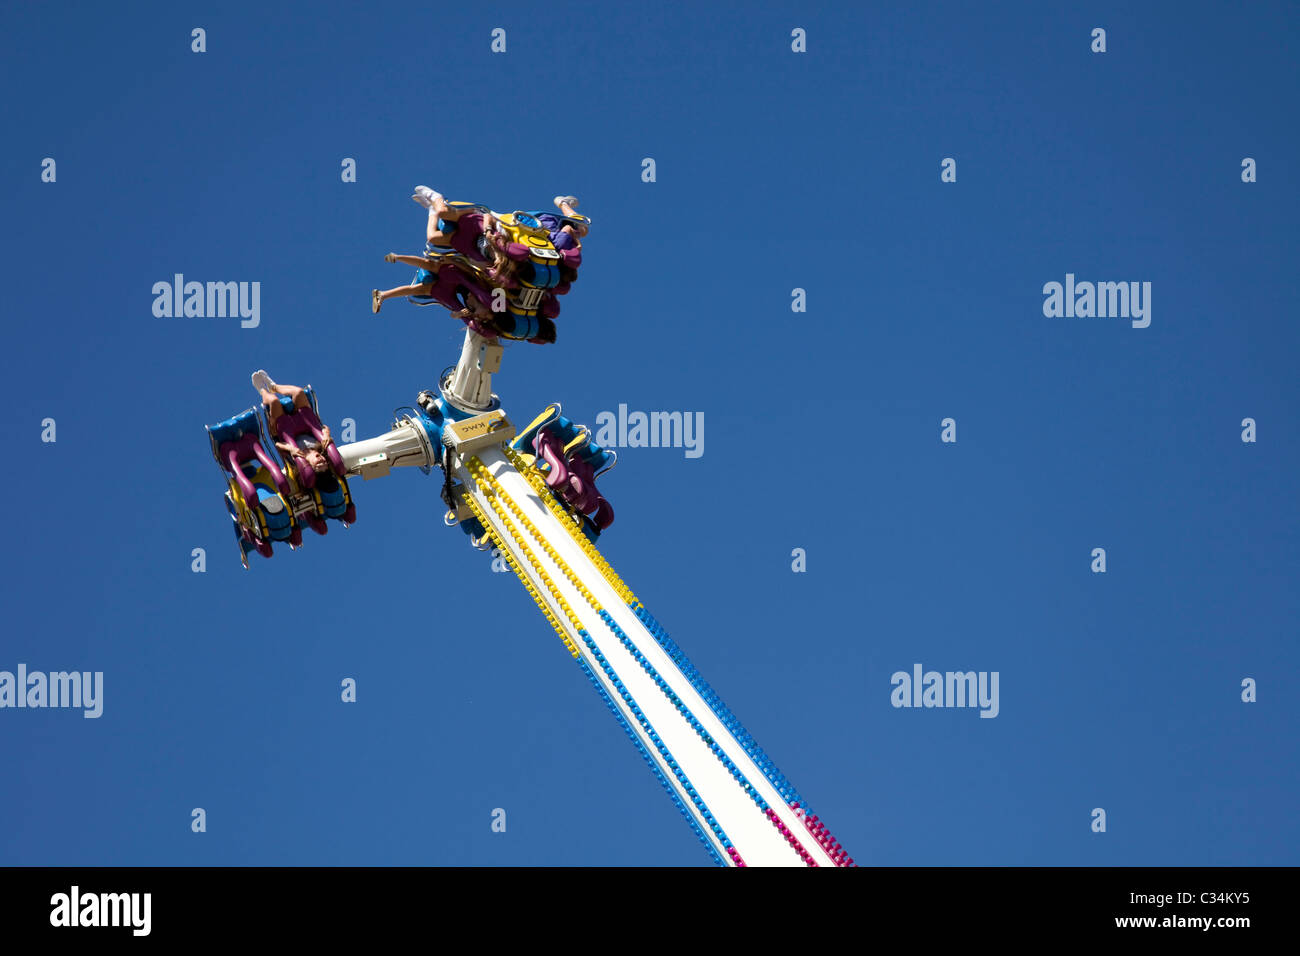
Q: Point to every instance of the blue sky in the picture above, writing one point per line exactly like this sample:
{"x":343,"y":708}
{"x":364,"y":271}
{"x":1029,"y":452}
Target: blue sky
{"x":775,"y":170}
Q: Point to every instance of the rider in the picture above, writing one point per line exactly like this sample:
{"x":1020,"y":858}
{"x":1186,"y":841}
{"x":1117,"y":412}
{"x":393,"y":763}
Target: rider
{"x":442,"y":281}
{"x":564,"y":235}
{"x":476,"y":235}
{"x":310,"y":449}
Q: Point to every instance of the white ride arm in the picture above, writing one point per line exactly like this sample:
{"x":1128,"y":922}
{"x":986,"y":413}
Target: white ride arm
{"x":406,"y":444}
{"x":742,"y":809}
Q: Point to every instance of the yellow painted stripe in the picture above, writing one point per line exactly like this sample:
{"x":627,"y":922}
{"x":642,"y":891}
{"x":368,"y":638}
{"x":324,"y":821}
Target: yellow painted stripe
{"x":523,"y":578}
{"x":482,"y":475}
{"x":572,"y":524}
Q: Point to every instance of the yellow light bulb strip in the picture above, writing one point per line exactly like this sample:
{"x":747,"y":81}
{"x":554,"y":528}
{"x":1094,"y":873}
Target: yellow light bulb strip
{"x":534,"y":478}
{"x":528,"y":556}
{"x":499,"y":494}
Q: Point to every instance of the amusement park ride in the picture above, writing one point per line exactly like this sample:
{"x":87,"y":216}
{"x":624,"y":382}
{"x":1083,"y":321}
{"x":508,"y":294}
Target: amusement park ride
{"x":530,"y":492}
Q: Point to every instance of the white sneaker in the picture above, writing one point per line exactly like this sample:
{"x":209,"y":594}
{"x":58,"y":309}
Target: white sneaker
{"x":571,"y":200}
{"x":425,"y":196}
{"x":261,"y":380}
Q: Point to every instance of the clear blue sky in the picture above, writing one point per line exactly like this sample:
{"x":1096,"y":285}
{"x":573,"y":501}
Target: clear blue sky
{"x":775,"y":170}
